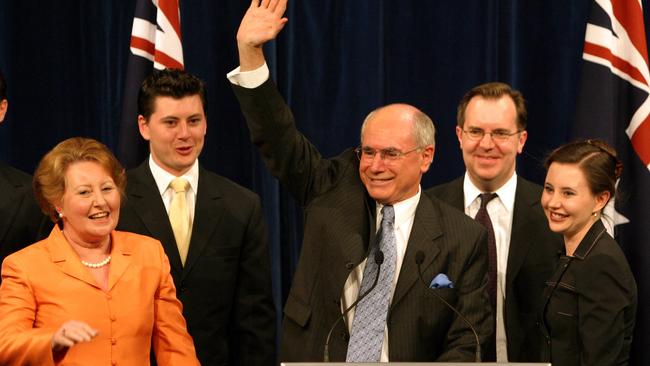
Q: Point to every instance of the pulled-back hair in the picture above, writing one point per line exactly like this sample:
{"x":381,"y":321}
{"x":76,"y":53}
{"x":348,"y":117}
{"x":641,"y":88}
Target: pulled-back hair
{"x":595,"y":158}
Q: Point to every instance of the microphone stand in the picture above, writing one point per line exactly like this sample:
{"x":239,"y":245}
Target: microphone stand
{"x":419,"y":259}
{"x":379,"y":259}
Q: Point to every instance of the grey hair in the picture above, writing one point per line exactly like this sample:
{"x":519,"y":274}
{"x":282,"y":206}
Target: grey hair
{"x":424,"y":130}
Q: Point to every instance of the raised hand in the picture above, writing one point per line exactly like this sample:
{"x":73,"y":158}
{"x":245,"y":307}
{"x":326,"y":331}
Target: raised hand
{"x":261,"y":23}
{"x":71,"y":333}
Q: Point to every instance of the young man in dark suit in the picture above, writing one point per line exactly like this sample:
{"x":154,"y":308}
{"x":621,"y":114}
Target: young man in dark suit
{"x":491,"y":131}
{"x":346,"y":199}
{"x":211,"y":228}
{"x":21,"y":220}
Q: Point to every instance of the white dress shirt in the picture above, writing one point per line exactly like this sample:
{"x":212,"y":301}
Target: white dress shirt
{"x":500,"y":210}
{"x":404,"y":215}
{"x":163,"y":178}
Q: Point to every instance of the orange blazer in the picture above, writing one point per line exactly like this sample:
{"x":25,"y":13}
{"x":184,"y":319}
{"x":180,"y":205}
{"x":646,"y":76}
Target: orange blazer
{"x":45,"y":285}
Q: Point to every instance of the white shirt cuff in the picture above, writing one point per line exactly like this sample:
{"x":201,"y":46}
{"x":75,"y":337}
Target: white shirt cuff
{"x":249,"y":79}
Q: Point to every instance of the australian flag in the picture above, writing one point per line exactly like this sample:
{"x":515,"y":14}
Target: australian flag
{"x":614,"y":105}
{"x":155,"y":43}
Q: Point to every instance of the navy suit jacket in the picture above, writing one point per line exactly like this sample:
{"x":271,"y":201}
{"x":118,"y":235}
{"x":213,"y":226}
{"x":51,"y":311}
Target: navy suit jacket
{"x":225,"y":285}
{"x":21,"y":221}
{"x":531,"y":259}
{"x":340,"y":224}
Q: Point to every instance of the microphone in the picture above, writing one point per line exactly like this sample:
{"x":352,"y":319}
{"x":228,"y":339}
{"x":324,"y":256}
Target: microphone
{"x":379,"y":259}
{"x":419,"y":259}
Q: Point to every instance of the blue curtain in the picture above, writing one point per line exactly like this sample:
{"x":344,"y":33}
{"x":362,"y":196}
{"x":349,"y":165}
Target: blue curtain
{"x":335,"y":61}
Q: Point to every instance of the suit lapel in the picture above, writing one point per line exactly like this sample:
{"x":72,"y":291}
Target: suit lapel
{"x":120,"y":258}
{"x":520,"y":239}
{"x":208,"y":211}
{"x":66,"y":259}
{"x":426,"y":229}
{"x":148,"y":205}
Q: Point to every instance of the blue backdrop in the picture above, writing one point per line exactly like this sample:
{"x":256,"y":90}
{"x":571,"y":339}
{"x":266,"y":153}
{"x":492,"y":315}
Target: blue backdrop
{"x":65,"y":63}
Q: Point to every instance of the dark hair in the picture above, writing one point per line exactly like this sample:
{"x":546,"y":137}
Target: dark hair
{"x":3,"y":87}
{"x":493,"y":91}
{"x":597,"y":160}
{"x":49,"y":177}
{"x":173,"y":83}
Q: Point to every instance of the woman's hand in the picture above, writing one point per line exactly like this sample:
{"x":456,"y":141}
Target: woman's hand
{"x":71,"y":333}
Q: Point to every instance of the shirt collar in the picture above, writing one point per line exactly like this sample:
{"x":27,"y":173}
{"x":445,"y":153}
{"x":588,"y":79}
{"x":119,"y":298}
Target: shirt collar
{"x":163,"y":177}
{"x":506,"y":193}
{"x":404,"y":210}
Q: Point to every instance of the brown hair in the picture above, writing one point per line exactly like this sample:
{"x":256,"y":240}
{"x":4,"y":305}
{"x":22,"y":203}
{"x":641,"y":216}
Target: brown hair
{"x":597,"y":160}
{"x":49,"y":177}
{"x":493,"y":91}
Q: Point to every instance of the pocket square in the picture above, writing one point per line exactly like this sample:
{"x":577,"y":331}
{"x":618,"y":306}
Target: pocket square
{"x":441,"y":281}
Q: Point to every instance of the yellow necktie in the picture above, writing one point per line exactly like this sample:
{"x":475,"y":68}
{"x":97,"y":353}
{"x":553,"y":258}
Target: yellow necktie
{"x":179,"y":217}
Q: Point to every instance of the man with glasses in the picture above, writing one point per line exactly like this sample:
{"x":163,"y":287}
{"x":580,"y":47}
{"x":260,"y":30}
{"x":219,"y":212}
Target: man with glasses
{"x":365,"y":220}
{"x":491,"y":130}
{"x":211,"y":228}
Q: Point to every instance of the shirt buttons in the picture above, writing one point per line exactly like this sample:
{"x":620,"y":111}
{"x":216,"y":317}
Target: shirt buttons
{"x":113,"y":341}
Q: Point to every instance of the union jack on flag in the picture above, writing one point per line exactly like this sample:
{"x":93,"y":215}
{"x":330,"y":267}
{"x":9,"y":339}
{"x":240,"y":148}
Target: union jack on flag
{"x":614,"y":105}
{"x":155,"y":43}
{"x":615,"y":38}
{"x":158,"y":41}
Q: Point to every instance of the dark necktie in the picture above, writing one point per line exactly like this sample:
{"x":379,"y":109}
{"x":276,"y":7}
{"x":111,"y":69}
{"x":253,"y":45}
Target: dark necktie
{"x":367,"y":334}
{"x":483,"y":217}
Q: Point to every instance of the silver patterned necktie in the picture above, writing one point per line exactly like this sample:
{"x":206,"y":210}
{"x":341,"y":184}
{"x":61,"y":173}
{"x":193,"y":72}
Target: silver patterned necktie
{"x":367,"y":334}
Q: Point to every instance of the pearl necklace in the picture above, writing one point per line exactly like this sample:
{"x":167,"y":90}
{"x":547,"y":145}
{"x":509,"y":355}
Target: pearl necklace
{"x":98,"y":264}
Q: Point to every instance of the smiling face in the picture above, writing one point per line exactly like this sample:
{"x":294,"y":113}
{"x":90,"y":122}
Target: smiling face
{"x":490,"y":163}
{"x":392,"y":181}
{"x":568,"y":202}
{"x":175,"y":131}
{"x":90,"y":205}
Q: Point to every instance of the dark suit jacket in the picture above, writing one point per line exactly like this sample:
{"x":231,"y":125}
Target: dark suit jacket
{"x":590,"y":305}
{"x":339,"y":224}
{"x":531,"y":259}
{"x":21,"y":221}
{"x":225,"y":286}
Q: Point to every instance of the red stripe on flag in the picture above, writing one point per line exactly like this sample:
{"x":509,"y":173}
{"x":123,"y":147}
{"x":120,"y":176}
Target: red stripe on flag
{"x":172,"y":12}
{"x":167,"y":61}
{"x":630,"y":15}
{"x":640,"y":141}
{"x":619,"y":63}
{"x":143,"y":44}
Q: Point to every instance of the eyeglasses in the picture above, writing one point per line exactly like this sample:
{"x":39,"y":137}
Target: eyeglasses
{"x":365,"y":153}
{"x":477,"y":134}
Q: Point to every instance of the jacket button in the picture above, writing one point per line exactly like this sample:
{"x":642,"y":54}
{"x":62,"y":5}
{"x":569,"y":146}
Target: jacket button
{"x":344,"y":336}
{"x":349,"y":265}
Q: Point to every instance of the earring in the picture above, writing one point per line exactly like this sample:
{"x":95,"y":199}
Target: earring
{"x":60,"y":215}
{"x":595,"y":214}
